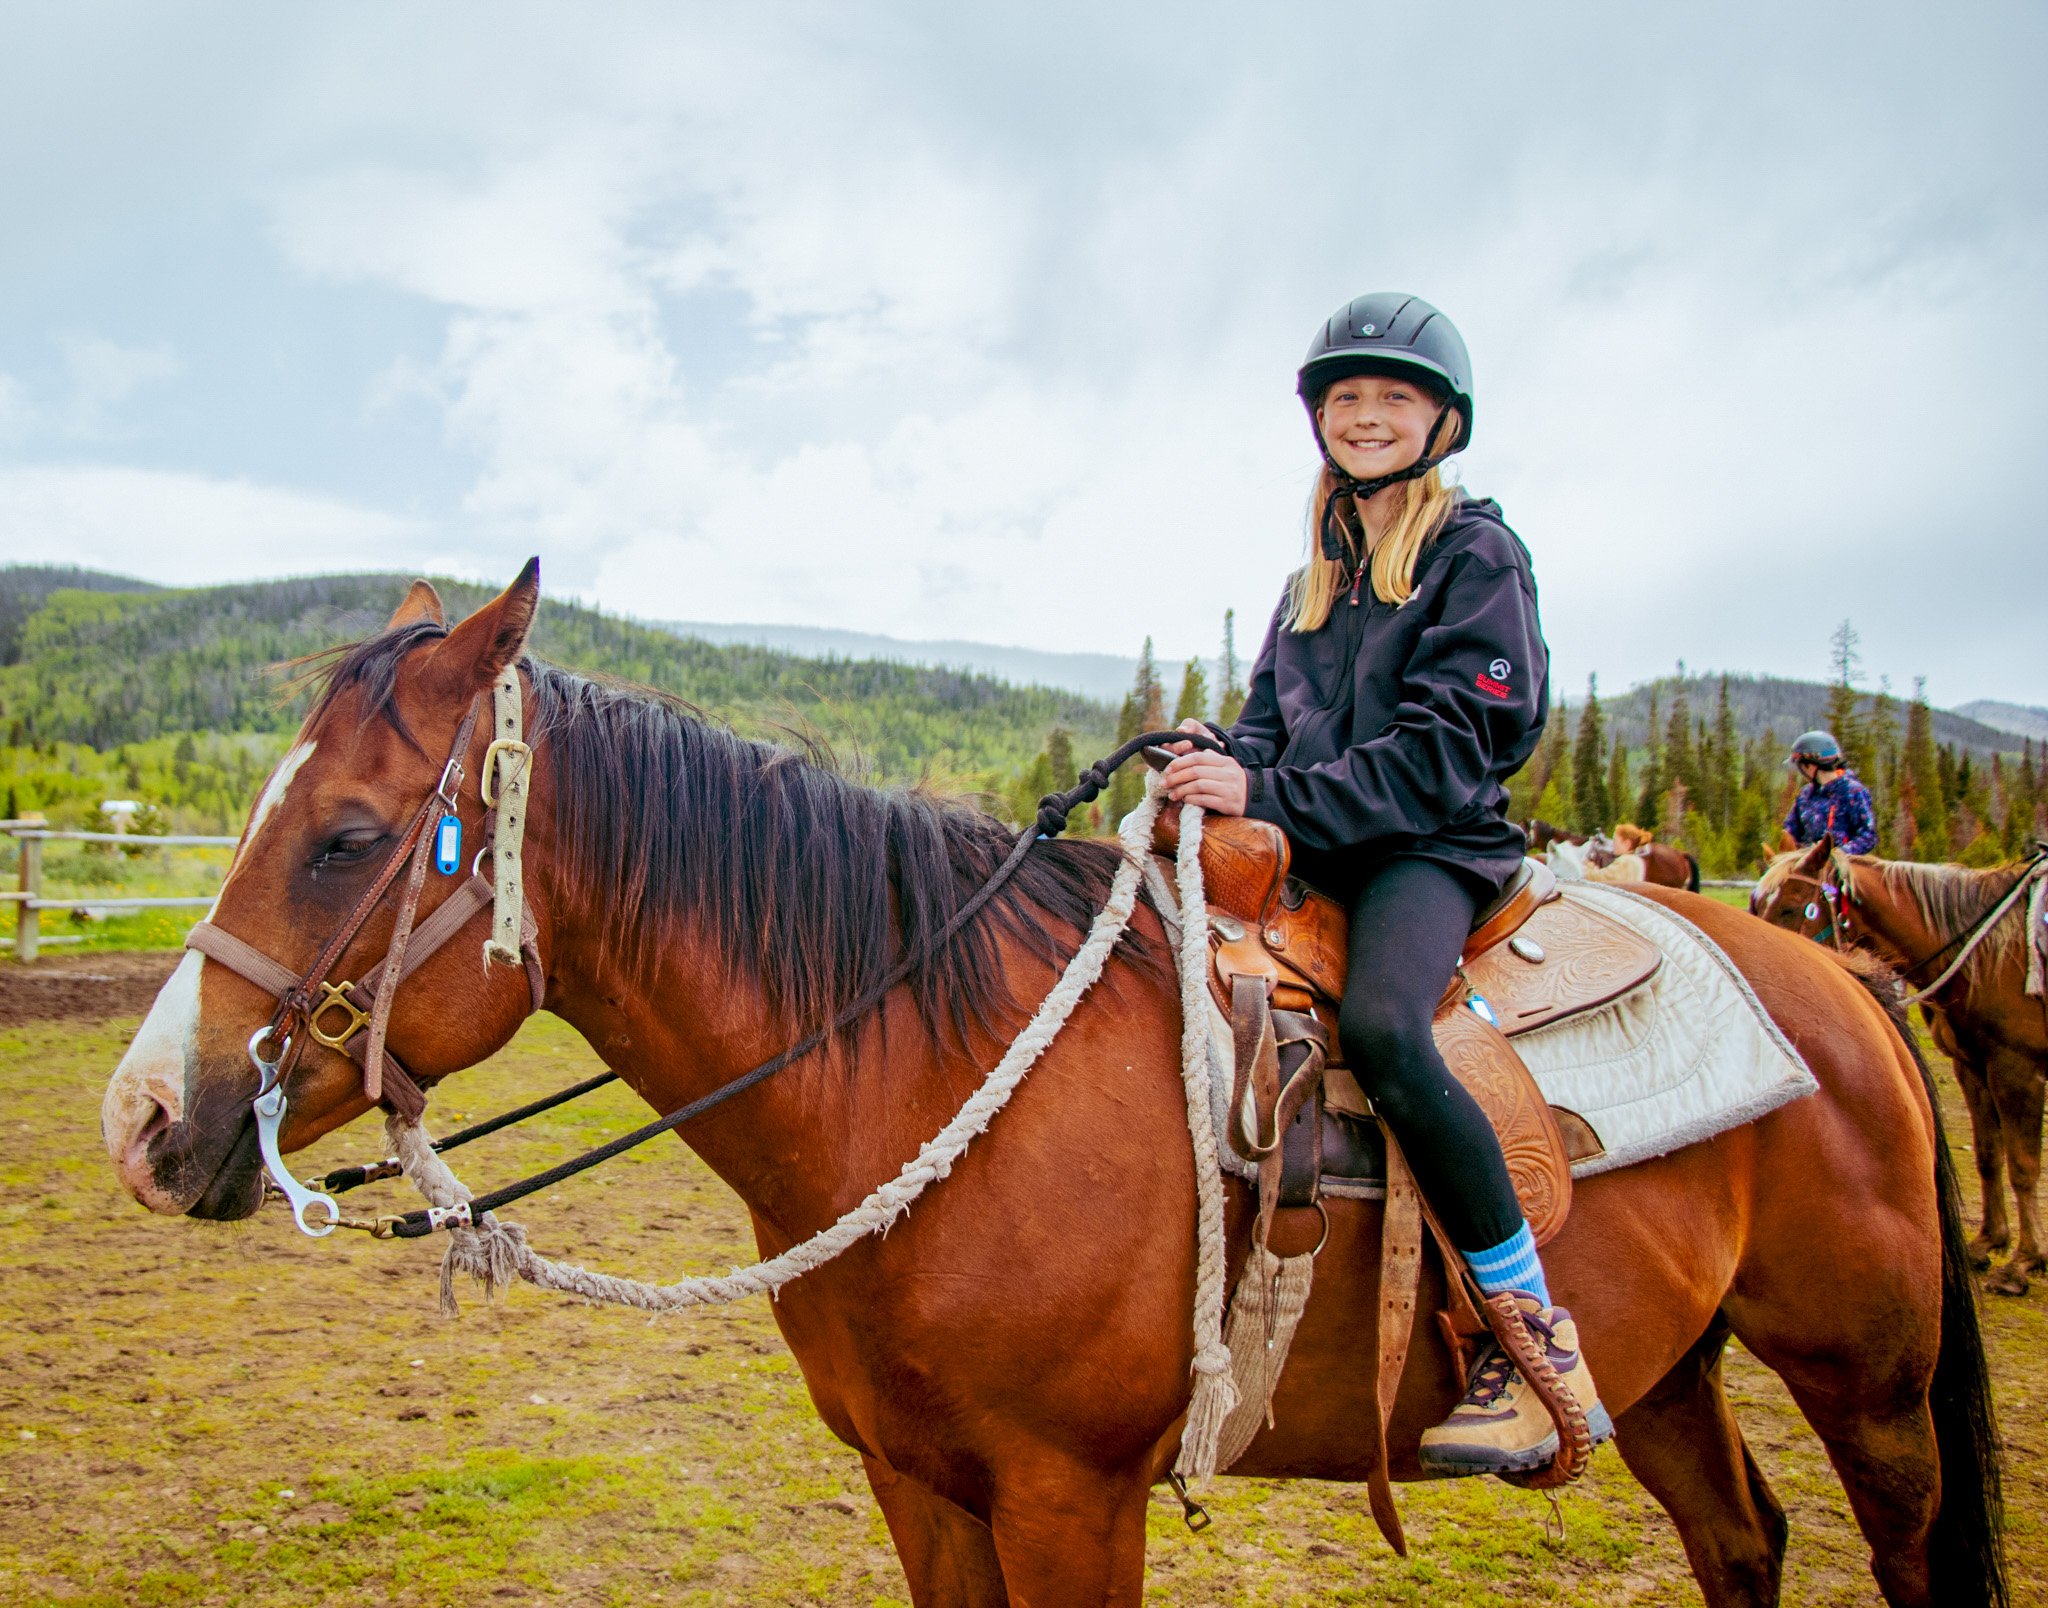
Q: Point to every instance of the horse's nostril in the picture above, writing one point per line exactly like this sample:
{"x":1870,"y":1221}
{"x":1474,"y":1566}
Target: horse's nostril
{"x":158,"y":1121}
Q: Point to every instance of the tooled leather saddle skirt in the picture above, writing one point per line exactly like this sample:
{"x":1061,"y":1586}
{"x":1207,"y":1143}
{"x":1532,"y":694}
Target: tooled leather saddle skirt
{"x":1279,"y":953}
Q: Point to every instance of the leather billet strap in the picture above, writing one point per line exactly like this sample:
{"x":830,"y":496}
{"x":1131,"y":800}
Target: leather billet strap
{"x":1400,"y":1278}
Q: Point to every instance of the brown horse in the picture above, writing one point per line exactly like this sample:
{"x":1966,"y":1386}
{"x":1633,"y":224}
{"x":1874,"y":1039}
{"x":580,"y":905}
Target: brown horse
{"x":1012,"y":1362}
{"x":1996,"y":1034}
{"x":1662,"y":864}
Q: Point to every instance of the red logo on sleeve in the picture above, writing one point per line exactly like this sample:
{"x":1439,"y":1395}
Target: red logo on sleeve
{"x":1486,"y":683}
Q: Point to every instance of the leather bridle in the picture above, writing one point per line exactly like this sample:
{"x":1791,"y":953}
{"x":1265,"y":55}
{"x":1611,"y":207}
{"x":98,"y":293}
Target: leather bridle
{"x":309,"y":1005}
{"x":1834,"y":899}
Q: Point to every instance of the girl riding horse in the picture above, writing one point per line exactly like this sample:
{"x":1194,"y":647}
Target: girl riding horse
{"x":1403,"y":679}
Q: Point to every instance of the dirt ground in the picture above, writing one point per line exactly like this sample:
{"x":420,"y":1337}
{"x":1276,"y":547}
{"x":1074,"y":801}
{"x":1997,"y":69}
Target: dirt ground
{"x":82,"y":988}
{"x":204,"y":1414}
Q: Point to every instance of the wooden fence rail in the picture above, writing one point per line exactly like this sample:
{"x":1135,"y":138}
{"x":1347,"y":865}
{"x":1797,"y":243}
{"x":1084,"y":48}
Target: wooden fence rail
{"x":32,"y":832}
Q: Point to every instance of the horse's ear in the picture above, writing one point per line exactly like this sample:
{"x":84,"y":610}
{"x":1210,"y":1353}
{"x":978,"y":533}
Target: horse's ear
{"x":422,"y":606}
{"x":481,"y":646}
{"x":1811,"y":862}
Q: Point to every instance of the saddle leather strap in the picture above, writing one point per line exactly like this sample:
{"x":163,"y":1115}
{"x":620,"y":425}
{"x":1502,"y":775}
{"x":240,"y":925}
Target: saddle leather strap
{"x":1400,"y":1277}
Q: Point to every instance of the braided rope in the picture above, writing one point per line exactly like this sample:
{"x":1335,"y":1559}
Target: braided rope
{"x":1215,"y":1391}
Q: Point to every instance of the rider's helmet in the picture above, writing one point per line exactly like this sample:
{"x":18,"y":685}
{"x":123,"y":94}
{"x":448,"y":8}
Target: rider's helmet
{"x":1817,"y":748}
{"x":1393,"y":334}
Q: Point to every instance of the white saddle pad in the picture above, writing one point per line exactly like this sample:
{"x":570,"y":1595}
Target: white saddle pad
{"x":1690,"y":1054}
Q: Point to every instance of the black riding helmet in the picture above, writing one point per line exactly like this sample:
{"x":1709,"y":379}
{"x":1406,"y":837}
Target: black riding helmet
{"x":1392,"y":334}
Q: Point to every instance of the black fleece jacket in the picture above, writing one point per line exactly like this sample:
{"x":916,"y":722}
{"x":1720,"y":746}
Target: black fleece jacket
{"x":1391,"y":730}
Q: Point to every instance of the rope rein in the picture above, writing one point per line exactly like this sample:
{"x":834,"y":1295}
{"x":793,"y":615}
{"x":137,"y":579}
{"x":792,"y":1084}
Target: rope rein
{"x":496,"y":1253}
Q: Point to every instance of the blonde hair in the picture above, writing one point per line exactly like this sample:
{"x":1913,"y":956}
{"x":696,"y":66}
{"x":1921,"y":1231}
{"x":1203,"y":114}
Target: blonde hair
{"x":1425,"y":505}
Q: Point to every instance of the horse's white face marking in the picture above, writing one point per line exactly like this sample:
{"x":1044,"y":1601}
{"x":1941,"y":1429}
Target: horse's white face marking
{"x":280,"y":783}
{"x":273,"y":795}
{"x":148,"y":1090}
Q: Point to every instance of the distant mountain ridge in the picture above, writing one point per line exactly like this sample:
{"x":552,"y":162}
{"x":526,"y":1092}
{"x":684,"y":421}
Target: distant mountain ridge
{"x":1107,"y":676}
{"x":752,"y":671}
{"x":105,"y":667}
{"x":2022,"y":720}
{"x":1774,"y":706}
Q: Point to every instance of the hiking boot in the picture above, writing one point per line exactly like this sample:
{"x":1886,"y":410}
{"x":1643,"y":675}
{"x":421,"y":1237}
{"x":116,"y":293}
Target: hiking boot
{"x":1501,"y":1426}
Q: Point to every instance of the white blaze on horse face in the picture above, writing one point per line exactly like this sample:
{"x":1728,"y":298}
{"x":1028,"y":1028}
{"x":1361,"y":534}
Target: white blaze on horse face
{"x":273,"y":795}
{"x":148,"y":1090}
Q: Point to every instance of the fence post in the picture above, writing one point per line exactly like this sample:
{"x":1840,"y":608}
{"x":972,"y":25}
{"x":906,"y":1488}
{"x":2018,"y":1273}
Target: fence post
{"x":28,"y":920}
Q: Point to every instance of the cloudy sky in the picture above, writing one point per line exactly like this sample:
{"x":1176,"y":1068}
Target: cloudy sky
{"x":967,"y":321}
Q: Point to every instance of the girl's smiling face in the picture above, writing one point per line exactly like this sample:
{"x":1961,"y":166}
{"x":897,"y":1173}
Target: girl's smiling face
{"x":1374,"y":425}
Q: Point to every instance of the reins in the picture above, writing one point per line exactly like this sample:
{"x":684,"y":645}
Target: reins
{"x":275,"y":1048}
{"x":1050,"y":821}
{"x":1970,"y":938}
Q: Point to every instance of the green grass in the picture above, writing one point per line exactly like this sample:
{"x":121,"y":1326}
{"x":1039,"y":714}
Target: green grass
{"x":205,"y":1414}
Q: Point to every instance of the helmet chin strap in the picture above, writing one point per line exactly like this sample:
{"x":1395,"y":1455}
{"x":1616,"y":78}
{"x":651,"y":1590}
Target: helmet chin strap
{"x":1335,"y":541}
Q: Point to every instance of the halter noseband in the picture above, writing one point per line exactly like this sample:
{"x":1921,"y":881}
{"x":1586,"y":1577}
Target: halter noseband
{"x":306,"y":1001}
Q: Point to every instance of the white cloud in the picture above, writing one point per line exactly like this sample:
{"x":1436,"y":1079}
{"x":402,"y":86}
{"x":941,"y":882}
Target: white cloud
{"x":955,"y":323}
{"x":183,"y":529}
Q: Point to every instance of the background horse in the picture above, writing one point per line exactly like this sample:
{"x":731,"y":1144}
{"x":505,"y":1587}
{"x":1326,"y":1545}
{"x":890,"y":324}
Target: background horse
{"x":1996,"y":1034}
{"x":1012,"y":1361}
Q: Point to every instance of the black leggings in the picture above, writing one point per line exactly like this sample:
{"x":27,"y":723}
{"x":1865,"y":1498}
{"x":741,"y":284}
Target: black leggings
{"x":1409,"y":920}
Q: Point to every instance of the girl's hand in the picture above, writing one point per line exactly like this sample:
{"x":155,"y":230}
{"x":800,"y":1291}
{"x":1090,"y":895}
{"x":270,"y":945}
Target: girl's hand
{"x":1214,"y":781}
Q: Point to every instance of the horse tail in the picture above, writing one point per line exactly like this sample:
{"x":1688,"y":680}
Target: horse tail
{"x":1692,"y":873}
{"x":1966,"y":1549}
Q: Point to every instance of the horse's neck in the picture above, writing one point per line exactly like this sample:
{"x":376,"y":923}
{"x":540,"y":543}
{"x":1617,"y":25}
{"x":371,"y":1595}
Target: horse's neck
{"x":1890,"y":917}
{"x":799,"y":1148}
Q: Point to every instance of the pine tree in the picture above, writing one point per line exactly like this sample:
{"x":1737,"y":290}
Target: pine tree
{"x":1649,"y":800}
{"x":1127,"y":787}
{"x":1724,"y":783}
{"x":1589,"y":780}
{"x":1881,"y":770}
{"x":1151,"y":692}
{"x":1617,"y":778}
{"x":1922,"y":790}
{"x":1232,"y":702}
{"x":1681,"y":768}
{"x":1843,"y":661}
{"x":1059,"y":753}
{"x":1193,"y":703}
{"x":1547,"y":762}
{"x":2019,"y":804}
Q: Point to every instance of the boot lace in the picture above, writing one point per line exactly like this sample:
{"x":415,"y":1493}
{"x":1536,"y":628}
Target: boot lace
{"x":1491,"y":1379}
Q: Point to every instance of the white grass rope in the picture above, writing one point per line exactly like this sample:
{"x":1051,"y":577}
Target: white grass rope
{"x":497,"y":1253}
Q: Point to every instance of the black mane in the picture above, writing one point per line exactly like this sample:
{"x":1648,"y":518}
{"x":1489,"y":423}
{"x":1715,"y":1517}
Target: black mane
{"x":816,"y":884}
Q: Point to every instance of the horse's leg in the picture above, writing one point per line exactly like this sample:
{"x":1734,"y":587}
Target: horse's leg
{"x":948,"y":1555}
{"x":1070,"y":1534}
{"x":2015,"y":1081}
{"x":1683,"y":1443}
{"x":1987,"y":1144}
{"x":1848,"y":1315}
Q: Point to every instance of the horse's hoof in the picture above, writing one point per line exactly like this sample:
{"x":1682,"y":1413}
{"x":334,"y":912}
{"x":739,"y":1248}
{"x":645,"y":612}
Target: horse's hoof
{"x":2008,"y":1282}
{"x":1979,"y":1256}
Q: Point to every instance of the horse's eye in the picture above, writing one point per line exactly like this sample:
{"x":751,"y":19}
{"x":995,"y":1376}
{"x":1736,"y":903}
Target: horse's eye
{"x":347,"y":848}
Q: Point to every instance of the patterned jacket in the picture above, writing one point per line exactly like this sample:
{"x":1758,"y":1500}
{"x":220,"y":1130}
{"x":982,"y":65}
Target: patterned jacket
{"x":1840,"y":810}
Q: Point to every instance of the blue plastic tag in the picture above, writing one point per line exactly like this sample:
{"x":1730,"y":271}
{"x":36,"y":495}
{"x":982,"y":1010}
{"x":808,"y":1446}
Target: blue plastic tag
{"x":1482,"y":1008}
{"x":448,"y":845}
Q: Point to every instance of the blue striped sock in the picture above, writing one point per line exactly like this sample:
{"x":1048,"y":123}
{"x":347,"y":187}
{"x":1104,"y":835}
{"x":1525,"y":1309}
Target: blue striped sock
{"x":1510,"y":1265}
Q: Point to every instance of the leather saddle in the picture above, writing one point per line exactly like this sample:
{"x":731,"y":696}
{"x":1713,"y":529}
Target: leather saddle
{"x":1279,"y":949}
{"x":1279,"y":952}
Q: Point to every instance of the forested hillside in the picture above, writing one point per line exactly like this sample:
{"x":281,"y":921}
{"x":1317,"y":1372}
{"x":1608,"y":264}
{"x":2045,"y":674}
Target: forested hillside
{"x":170,"y":695}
